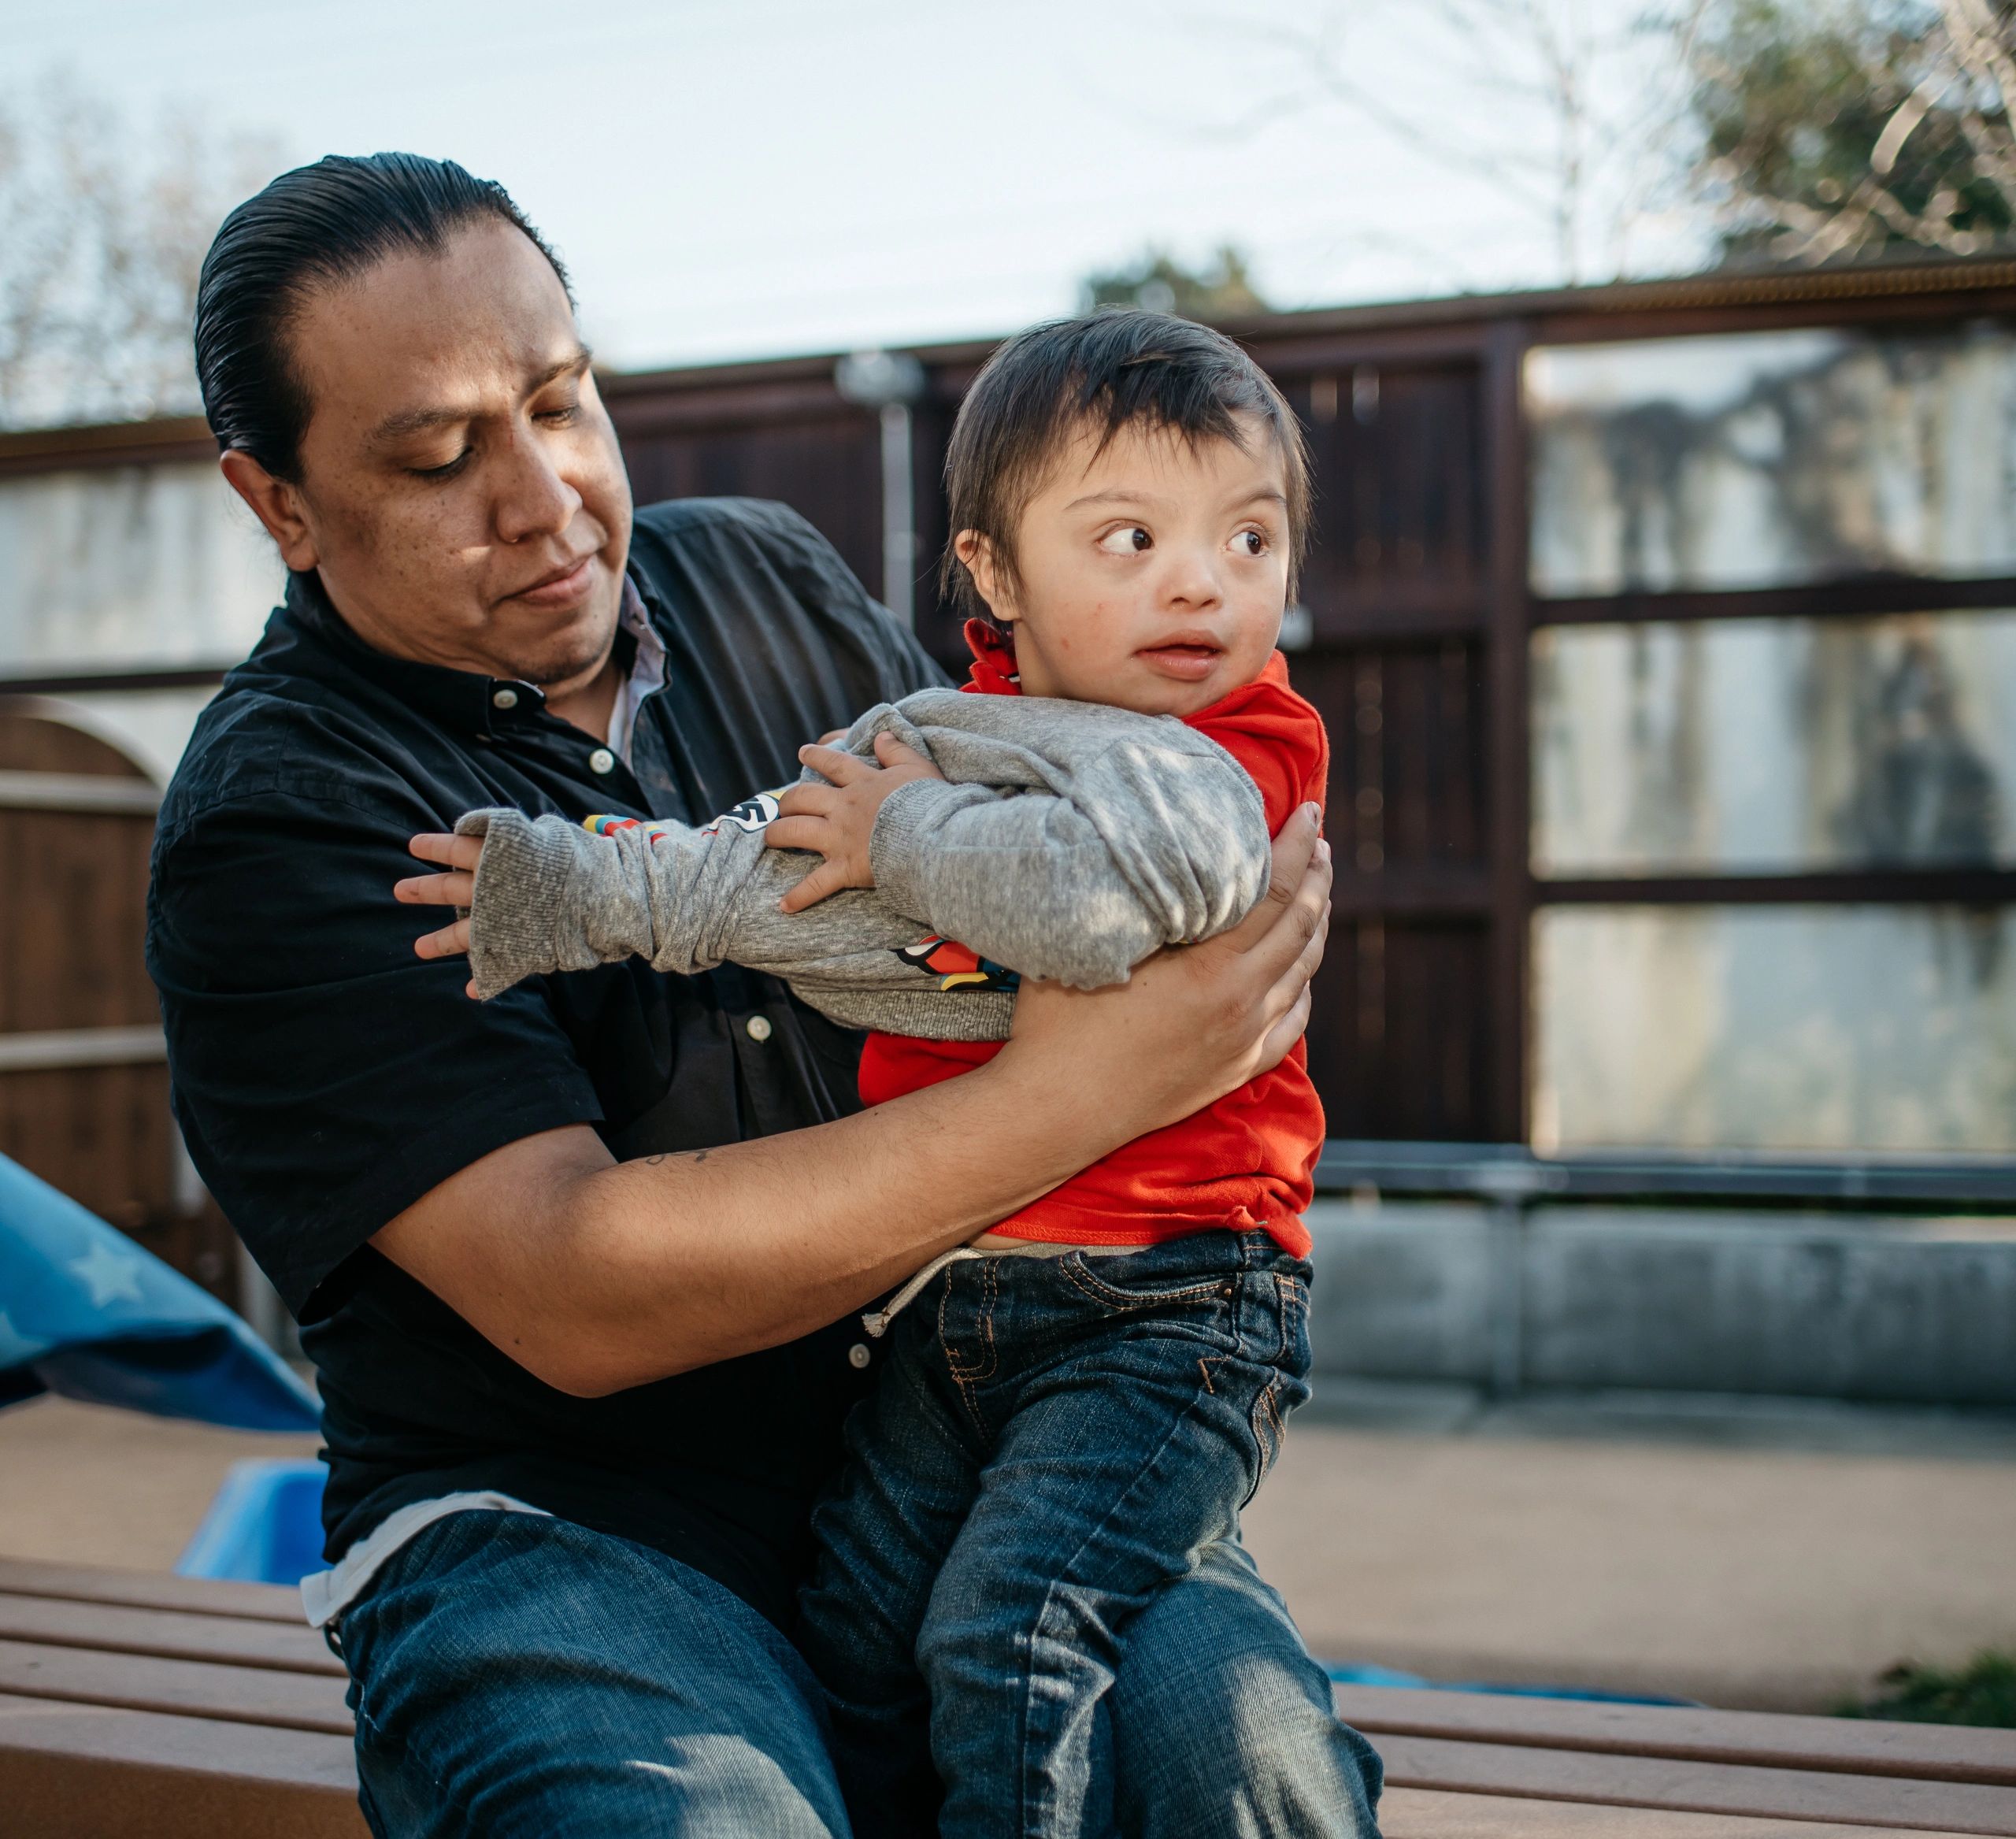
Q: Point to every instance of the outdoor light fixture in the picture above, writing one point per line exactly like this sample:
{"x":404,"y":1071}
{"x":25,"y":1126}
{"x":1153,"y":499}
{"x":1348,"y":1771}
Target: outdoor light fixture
{"x":889,"y":382}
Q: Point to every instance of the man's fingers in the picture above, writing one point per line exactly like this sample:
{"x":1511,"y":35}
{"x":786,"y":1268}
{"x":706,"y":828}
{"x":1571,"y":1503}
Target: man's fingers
{"x":451,"y":851}
{"x":836,"y":764}
{"x":800,"y":833}
{"x":1298,"y":845}
{"x":456,"y":890}
{"x":823,"y":880}
{"x":450,"y":942}
{"x":1288,"y":1031}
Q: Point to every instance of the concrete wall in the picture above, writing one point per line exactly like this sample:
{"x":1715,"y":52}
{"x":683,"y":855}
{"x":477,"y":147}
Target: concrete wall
{"x":1833,"y":1306}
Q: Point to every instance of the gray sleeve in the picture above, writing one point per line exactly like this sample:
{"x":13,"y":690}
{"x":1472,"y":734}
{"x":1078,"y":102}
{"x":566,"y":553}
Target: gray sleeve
{"x":552,"y":896}
{"x":1155,"y":841}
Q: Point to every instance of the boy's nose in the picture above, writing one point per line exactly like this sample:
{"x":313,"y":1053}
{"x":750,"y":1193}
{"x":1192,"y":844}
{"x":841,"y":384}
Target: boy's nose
{"x":1192,"y":582}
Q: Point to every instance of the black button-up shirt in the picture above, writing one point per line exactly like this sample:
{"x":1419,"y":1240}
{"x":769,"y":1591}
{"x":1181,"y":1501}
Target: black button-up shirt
{"x":326,"y":1077}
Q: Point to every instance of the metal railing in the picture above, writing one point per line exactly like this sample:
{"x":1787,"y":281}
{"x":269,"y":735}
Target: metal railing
{"x":1509,"y":1173}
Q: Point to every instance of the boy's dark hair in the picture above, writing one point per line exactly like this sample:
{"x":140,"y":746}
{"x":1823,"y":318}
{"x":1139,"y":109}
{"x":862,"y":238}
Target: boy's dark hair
{"x":1103,"y":370}
{"x":317,"y":224}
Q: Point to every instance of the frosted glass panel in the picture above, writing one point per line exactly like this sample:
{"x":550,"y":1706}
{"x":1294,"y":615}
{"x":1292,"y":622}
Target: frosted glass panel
{"x":1770,"y":459}
{"x":1811,"y":1028}
{"x":1763,"y":746}
{"x":130,"y":567}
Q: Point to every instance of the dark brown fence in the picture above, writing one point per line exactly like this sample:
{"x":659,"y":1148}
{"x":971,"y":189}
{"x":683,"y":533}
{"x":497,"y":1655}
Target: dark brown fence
{"x":1419,"y":624}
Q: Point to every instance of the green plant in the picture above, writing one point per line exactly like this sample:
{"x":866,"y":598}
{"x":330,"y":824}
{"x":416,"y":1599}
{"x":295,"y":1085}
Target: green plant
{"x":1982,"y":1692}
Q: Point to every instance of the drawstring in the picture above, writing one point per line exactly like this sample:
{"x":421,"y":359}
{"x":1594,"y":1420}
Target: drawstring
{"x":877,"y":1322}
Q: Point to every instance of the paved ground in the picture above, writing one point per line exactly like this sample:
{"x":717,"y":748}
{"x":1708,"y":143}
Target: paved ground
{"x":1731,"y":1561}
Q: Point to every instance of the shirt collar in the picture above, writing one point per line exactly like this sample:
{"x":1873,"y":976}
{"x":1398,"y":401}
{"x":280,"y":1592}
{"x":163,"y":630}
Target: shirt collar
{"x":464,"y":699}
{"x":648,"y":670}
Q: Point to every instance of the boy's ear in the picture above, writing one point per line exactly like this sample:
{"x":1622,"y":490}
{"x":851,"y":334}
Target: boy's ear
{"x":982,"y":561}
{"x":276,"y":504}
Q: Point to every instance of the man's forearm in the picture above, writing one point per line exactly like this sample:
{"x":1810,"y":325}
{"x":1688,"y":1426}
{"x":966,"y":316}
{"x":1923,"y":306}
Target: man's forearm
{"x":647,"y":1268}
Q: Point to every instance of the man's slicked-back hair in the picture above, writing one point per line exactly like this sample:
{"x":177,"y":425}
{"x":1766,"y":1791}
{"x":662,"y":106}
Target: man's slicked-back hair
{"x":1100,"y":372}
{"x":317,"y":225}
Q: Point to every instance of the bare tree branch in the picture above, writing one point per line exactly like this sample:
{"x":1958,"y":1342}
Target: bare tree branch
{"x":102,"y":232}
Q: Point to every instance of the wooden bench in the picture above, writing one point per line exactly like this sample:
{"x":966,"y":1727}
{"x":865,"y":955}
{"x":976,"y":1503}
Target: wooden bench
{"x":132,"y":1704}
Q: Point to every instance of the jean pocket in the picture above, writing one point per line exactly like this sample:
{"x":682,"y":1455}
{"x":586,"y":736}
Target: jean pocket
{"x":1090,"y":1278}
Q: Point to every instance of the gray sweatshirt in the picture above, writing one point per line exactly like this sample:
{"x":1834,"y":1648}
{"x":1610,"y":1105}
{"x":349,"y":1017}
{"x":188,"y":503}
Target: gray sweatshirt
{"x":1067,"y":841}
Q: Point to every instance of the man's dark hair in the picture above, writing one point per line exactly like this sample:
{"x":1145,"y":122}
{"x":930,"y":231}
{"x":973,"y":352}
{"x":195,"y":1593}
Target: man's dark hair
{"x":318,"y":224}
{"x":1101,"y":371}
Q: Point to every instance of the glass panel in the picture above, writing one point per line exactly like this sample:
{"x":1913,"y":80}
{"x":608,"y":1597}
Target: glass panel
{"x":1774,"y":745}
{"x":1804,"y":1028}
{"x":130,"y":567}
{"x":1770,"y":459}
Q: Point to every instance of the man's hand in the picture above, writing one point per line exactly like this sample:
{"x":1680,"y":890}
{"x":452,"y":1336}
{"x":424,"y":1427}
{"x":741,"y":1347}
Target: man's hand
{"x":837,"y":820}
{"x":459,"y":854}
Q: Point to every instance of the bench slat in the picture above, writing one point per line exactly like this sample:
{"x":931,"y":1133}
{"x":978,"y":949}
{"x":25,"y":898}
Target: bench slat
{"x":1705,"y":1787}
{"x":1422,"y":1813}
{"x":197,"y":1689}
{"x":89,"y":1772}
{"x":139,"y":1589}
{"x":173,"y":1634}
{"x":1851,"y":1745}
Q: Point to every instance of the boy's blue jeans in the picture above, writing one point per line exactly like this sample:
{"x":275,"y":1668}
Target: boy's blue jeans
{"x":517,"y":1678}
{"x":1054,"y":1441}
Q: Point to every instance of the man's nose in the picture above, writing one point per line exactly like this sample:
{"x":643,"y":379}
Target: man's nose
{"x":533,"y":499}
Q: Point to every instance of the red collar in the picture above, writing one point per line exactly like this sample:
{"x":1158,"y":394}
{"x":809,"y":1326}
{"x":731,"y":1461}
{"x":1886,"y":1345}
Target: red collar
{"x":994,"y":672}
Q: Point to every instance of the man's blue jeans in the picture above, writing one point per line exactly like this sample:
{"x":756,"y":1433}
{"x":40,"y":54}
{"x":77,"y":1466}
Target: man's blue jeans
{"x":518,"y":1677}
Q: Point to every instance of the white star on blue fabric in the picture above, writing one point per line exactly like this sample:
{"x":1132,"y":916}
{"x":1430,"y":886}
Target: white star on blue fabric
{"x":110,"y":1275}
{"x":15,"y":1347}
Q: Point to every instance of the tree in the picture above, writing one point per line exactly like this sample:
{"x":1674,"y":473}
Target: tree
{"x":1839,"y":130}
{"x":1157,"y":280}
{"x":1542,"y":101}
{"x":102,"y":234}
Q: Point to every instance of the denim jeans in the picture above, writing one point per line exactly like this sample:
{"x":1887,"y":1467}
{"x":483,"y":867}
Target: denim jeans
{"x":517,"y":1678}
{"x":1055,"y":1441}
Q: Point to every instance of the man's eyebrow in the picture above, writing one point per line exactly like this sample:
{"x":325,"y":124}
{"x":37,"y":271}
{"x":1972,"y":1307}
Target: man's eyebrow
{"x":410,"y":421}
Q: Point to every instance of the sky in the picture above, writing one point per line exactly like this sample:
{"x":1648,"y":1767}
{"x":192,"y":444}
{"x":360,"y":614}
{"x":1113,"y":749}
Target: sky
{"x":747,"y":178}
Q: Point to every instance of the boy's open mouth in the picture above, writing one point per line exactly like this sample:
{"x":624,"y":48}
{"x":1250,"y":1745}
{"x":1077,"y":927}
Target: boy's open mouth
{"x":1188,"y":660}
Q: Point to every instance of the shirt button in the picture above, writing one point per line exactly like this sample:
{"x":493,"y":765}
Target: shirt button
{"x":504,"y":699}
{"x":757,"y":1027}
{"x":859,"y":1356}
{"x":602,"y":760}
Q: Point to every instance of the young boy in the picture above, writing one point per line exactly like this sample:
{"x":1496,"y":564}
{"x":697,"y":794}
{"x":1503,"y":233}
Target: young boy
{"x":1078,"y":1403}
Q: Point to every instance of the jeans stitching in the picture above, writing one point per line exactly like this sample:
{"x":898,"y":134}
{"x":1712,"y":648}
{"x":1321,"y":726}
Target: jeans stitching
{"x":1098,"y":1291}
{"x":969,"y":1379}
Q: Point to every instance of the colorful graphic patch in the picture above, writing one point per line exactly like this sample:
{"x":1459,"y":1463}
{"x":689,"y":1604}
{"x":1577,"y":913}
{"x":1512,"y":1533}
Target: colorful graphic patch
{"x":602,"y":826}
{"x":957,"y":967}
{"x":752,"y":814}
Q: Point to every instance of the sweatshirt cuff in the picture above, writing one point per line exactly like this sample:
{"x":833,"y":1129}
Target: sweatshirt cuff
{"x":518,"y":877}
{"x":897,"y":844}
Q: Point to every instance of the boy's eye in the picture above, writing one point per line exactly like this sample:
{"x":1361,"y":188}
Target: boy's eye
{"x":1251,"y":543}
{"x":1130,"y":540}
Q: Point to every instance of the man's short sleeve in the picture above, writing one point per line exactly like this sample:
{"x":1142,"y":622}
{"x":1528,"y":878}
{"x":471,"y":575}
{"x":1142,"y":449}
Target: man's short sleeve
{"x":326,"y":1077}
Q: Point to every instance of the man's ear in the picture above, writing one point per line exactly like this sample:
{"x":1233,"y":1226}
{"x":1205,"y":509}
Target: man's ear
{"x":983,"y":562}
{"x":277,"y":505}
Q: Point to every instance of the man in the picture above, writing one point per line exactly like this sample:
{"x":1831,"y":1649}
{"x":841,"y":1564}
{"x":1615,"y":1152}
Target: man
{"x":567,"y":1262}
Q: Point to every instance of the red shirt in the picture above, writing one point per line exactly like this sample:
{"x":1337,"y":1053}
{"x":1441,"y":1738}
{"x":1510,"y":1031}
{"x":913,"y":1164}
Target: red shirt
{"x":1244,"y":1162}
